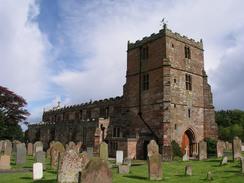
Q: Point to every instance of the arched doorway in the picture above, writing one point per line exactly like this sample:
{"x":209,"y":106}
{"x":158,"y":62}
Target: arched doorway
{"x":188,"y":140}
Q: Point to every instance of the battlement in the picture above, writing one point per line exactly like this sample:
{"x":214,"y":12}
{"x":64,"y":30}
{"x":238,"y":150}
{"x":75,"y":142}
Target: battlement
{"x":166,"y":32}
{"x":84,"y":105}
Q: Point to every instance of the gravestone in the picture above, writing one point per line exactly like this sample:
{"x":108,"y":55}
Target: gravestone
{"x":5,"y":162}
{"x":78,"y":147}
{"x":69,"y":167}
{"x":96,"y":171}
{"x":90,"y":151}
{"x":242,"y":148}
{"x":188,"y":170}
{"x":1,"y":146}
{"x":38,"y":146}
{"x":20,"y":154}
{"x":154,"y":161}
{"x":71,"y":145}
{"x":228,"y":146}
{"x":224,"y":161}
{"x":242,"y":164}
{"x":7,"y":147}
{"x":103,"y":151}
{"x":84,"y":157}
{"x":123,"y":169}
{"x":40,"y":157}
{"x":30,"y":149}
{"x":14,"y":144}
{"x":220,"y":148}
{"x":127,"y":161}
{"x":56,"y":149}
{"x":202,"y":150}
{"x":119,"y":157}
{"x":209,"y":176}
{"x":37,"y":171}
{"x":236,"y":146}
{"x":186,"y":155}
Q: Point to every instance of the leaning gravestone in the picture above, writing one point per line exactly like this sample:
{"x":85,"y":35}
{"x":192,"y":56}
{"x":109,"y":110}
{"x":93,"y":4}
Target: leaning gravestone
{"x":56,"y":149}
{"x":209,"y":176}
{"x":96,"y":171}
{"x":5,"y":162}
{"x":7,"y":147}
{"x":30,"y":149}
{"x":20,"y":154}
{"x":224,"y":161}
{"x":119,"y":157}
{"x":154,"y":161}
{"x":188,"y":170}
{"x":69,"y":167}
{"x":202,"y":150}
{"x":236,"y":146}
{"x":220,"y":148}
{"x":103,"y":151}
{"x":40,"y":157}
{"x":242,"y":165}
{"x":37,"y":171}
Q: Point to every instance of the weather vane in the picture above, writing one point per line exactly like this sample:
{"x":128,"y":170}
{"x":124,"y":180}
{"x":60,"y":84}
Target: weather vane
{"x":163,"y":22}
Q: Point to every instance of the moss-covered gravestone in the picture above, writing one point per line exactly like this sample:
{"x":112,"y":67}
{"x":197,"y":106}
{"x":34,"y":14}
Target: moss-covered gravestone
{"x":103,"y":151}
{"x":96,"y":171}
{"x":154,"y":161}
{"x":69,"y":167}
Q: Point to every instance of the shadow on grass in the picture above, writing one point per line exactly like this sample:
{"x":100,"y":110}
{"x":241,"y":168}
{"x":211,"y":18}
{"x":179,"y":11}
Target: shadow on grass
{"x":135,"y":177}
{"x":26,"y":178}
{"x":45,"y":181}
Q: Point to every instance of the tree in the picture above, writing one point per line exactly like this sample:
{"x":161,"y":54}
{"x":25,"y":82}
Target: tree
{"x":12,"y":112}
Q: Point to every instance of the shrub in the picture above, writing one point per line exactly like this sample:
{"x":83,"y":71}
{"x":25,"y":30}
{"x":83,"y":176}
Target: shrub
{"x":176,"y":151}
{"x":211,"y":146}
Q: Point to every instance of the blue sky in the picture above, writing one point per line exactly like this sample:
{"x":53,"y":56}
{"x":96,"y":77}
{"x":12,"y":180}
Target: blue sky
{"x":73,"y":51}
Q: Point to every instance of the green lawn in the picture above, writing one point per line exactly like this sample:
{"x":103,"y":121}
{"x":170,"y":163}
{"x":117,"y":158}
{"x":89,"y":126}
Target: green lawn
{"x":172,"y":172}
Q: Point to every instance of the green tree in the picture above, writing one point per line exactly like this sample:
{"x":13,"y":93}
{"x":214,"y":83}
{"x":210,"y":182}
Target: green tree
{"x":12,"y":113}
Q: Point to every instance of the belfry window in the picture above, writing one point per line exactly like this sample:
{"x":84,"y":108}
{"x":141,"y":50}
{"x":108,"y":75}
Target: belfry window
{"x":144,"y":53}
{"x":116,"y":132}
{"x":145,"y":82}
{"x":187,"y":52}
{"x":188,"y":82}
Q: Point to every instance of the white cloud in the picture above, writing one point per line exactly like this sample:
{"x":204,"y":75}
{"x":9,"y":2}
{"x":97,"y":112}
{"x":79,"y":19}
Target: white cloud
{"x":23,"y":49}
{"x":101,"y":29}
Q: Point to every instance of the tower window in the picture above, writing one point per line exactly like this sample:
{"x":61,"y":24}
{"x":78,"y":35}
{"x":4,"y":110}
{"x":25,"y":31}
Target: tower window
{"x":175,"y":126}
{"x":187,"y":52}
{"x":189,"y":113}
{"x":116,"y":132}
{"x":174,"y":80}
{"x":145,"y":82}
{"x":144,"y":53}
{"x":188,"y":82}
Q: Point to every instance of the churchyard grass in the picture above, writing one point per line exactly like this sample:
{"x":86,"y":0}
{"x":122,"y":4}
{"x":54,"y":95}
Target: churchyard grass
{"x":172,"y":172}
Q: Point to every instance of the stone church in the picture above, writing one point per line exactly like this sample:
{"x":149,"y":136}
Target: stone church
{"x":166,"y":97}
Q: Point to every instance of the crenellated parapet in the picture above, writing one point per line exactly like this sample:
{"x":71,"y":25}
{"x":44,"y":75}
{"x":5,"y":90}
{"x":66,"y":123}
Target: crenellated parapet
{"x":166,"y":32}
{"x":75,"y":107}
